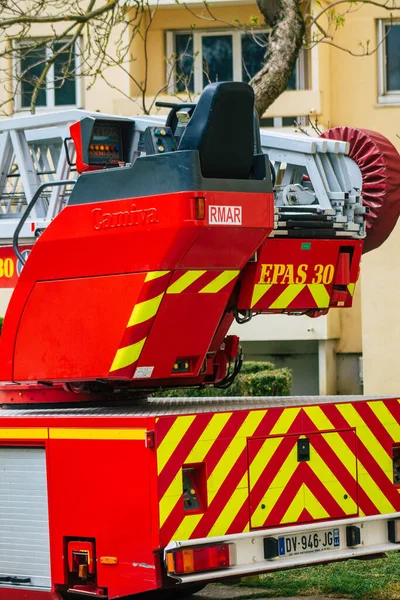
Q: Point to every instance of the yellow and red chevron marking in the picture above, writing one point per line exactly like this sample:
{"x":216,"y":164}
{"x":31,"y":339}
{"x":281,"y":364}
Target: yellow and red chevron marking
{"x":202,"y":282}
{"x":295,"y":295}
{"x":156,"y":285}
{"x":139,"y":324}
{"x":253,"y":476}
{"x":351,"y":288}
{"x":282,"y":488}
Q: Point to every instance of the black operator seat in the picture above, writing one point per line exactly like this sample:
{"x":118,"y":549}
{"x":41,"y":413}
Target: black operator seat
{"x":221,"y":129}
{"x":220,"y":150}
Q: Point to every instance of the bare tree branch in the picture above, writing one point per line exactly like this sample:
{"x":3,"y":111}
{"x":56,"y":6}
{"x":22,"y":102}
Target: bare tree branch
{"x":387,"y":5}
{"x":77,"y":18}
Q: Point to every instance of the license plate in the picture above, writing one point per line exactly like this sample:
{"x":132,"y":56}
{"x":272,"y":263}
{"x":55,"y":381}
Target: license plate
{"x":318,"y":541}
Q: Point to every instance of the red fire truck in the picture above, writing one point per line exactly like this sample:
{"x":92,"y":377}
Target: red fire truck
{"x":129,"y":284}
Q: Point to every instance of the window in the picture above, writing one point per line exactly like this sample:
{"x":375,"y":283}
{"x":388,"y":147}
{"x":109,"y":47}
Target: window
{"x":281,"y":122}
{"x":61,"y":86}
{"x":208,"y":56}
{"x":389,"y":62}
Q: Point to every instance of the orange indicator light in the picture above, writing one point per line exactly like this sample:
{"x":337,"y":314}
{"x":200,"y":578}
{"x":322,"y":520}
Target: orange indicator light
{"x":108,"y":560}
{"x":200,"y":208}
{"x":188,"y":561}
{"x":170,"y":562}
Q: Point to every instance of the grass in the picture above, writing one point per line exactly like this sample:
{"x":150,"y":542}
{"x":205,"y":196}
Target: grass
{"x":364,"y":579}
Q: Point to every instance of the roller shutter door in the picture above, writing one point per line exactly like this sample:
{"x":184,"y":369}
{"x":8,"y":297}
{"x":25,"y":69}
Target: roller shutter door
{"x":24,"y":525}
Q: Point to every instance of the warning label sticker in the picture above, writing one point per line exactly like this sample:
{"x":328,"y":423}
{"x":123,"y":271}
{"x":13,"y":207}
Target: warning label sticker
{"x":143,"y":372}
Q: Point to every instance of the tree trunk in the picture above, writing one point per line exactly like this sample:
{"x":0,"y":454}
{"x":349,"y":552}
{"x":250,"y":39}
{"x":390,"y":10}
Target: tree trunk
{"x":284,"y":45}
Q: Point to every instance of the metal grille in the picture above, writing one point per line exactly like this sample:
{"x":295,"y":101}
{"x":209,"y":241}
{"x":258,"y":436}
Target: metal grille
{"x":45,"y":156}
{"x":24,"y":527}
{"x":170,"y":406}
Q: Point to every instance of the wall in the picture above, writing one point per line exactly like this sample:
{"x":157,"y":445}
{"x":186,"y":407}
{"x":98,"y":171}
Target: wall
{"x":172,"y":17}
{"x":301,"y":357}
{"x":381,"y":323}
{"x":111,"y":85}
{"x":354,"y":93}
{"x":350,"y":325}
{"x":354,"y":81}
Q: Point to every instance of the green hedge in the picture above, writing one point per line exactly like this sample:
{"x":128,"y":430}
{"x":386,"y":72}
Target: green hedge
{"x":255,"y":379}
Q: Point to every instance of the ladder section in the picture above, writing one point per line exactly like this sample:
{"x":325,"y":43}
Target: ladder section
{"x":317,"y":188}
{"x":317,"y":185}
{"x":35,"y":150}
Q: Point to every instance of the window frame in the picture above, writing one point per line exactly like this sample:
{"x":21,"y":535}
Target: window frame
{"x":385,"y":96}
{"x":301,"y":71}
{"x":50,"y":89}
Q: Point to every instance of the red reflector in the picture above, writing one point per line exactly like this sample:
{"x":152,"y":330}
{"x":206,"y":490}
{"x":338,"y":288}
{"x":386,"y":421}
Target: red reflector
{"x":342,"y":275}
{"x":149,"y":443}
{"x":203,"y":558}
{"x":338,"y":297}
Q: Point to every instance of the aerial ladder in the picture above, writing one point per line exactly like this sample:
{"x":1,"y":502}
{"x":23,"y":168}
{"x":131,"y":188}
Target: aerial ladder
{"x":128,"y":249}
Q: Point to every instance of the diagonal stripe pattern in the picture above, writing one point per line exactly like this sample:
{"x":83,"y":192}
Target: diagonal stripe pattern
{"x":156,"y":285}
{"x":253,"y":476}
{"x":139,"y":323}
{"x":281,"y":296}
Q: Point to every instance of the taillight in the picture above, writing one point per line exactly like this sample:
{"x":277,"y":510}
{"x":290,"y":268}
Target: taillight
{"x":202,"y":558}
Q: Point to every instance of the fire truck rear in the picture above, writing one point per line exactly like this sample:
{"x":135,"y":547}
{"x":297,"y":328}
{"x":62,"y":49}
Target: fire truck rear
{"x":128,"y":284}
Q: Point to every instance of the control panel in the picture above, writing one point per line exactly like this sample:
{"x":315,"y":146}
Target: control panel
{"x":105,"y":148}
{"x":102,"y":144}
{"x":158,"y":140}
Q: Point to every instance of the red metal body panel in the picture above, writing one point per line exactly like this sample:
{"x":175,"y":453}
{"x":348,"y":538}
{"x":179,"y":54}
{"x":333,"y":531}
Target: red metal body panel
{"x":296,"y":275}
{"x":352,"y":473}
{"x":177,"y":316}
{"x":76,"y":135}
{"x":42,"y":394}
{"x":107,"y":487}
{"x":224,"y":251}
{"x":103,"y":501}
{"x":83,"y":276}
{"x":18,"y":594}
{"x":302,"y":480}
{"x":106,"y":497}
{"x":73,"y":350}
